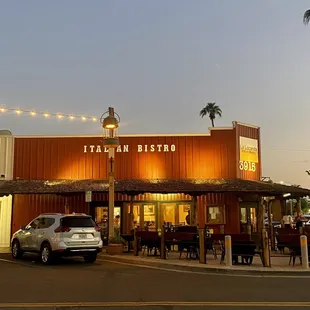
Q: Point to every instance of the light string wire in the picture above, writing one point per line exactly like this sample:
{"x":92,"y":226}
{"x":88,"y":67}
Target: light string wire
{"x":33,"y":113}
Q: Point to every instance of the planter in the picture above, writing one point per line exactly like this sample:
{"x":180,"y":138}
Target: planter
{"x":115,"y":248}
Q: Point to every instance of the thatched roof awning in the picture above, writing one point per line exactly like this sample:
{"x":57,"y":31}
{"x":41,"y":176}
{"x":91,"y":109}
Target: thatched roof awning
{"x":134,"y":187}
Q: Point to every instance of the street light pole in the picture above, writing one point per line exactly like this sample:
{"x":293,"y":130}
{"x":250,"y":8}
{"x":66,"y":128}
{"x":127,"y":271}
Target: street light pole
{"x":111,"y":141}
{"x":111,"y":192}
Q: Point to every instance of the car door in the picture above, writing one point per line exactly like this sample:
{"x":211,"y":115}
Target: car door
{"x":29,"y":236}
{"x":40,"y":233}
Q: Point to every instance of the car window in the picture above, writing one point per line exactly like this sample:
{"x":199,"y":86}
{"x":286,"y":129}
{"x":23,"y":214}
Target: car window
{"x":77,"y":221}
{"x":34,"y":224}
{"x":45,"y":222}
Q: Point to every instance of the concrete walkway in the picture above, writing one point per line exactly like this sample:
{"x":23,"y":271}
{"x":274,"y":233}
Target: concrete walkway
{"x":5,"y":250}
{"x":279,"y":264}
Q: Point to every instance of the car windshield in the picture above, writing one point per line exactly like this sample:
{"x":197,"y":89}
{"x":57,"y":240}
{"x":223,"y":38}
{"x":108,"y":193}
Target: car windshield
{"x":77,"y":221}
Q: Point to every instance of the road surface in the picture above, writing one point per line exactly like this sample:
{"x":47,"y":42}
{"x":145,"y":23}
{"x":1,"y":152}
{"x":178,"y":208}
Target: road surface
{"x":26,"y":284}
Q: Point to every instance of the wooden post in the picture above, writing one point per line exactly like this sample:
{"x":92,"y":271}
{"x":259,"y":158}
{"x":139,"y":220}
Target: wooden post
{"x":162,"y":244}
{"x":194,"y":211}
{"x":291,"y":207}
{"x":298,"y":208}
{"x":265,"y":240}
{"x":135,"y":243}
{"x":202,"y":246}
{"x":131,"y":216}
{"x":270,"y":226}
{"x":263,"y":235}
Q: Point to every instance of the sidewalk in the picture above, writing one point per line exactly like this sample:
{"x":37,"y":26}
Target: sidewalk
{"x":280,"y":265}
{"x":5,"y":250}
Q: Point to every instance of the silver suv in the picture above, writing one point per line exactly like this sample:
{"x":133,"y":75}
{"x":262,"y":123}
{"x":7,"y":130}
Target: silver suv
{"x":55,"y":234}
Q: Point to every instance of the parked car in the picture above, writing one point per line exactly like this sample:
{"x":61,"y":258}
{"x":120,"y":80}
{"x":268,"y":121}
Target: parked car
{"x":275,"y":224}
{"x":54,"y":235}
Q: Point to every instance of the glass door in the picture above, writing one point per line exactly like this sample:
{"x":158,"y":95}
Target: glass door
{"x":149,"y":217}
{"x":248,"y":217}
{"x":168,"y":214}
{"x":102,"y":220}
{"x":184,"y":214}
{"x":117,"y":220}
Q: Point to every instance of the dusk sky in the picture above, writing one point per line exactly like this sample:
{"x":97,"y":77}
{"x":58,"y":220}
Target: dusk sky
{"x":158,"y":63}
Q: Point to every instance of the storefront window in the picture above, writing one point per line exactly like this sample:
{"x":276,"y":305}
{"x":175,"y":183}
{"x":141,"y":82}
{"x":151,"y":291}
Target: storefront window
{"x":183,"y":212}
{"x":101,"y":218}
{"x":243,"y":216}
{"x":216,"y":215}
{"x":253,"y":219}
{"x":136,"y":215}
{"x":117,"y":219}
{"x":169,"y":213}
{"x":149,"y":217}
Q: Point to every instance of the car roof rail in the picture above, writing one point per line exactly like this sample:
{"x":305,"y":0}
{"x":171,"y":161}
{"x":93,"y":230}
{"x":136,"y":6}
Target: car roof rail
{"x":77,"y":213}
{"x":51,"y":214}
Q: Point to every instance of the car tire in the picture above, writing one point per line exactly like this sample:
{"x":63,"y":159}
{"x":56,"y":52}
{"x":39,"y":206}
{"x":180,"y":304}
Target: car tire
{"x":16,"y":251}
{"x":91,"y":258}
{"x":46,"y":254}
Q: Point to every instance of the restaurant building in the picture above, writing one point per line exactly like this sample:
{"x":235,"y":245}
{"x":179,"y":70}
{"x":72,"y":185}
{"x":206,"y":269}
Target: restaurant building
{"x":159,"y":178}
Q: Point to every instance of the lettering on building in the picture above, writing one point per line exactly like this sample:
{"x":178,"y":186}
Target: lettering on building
{"x":141,"y":148}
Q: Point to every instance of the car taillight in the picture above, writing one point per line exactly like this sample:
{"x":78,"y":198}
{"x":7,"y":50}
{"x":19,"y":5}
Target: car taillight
{"x":62,"y":229}
{"x":98,"y":228}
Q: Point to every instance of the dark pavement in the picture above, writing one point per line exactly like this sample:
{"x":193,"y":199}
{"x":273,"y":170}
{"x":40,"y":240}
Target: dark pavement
{"x":106,"y":284}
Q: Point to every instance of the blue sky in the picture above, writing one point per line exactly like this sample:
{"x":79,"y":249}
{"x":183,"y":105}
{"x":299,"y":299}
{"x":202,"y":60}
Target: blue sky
{"x":158,"y":63}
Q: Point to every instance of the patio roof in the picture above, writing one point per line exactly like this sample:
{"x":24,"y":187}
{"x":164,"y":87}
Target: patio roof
{"x":135,"y":187}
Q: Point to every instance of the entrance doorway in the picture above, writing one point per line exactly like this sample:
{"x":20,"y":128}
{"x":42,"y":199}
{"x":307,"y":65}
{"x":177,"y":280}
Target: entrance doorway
{"x":101,"y":217}
{"x":248,"y":217}
{"x":153,"y":216}
{"x":174,"y":213}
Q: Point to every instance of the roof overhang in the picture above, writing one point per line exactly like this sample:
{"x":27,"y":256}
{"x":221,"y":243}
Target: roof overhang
{"x":135,"y":187}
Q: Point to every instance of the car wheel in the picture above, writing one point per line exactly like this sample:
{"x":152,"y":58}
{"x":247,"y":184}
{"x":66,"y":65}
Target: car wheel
{"x":46,"y":254}
{"x":16,"y":251}
{"x":91,"y":258}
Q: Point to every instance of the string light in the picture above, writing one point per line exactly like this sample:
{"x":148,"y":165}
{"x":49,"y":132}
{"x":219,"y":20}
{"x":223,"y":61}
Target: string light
{"x":33,"y":113}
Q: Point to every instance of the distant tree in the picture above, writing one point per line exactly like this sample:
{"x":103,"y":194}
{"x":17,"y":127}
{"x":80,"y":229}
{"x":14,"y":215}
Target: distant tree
{"x":295,"y":185}
{"x":212,"y":110}
{"x":306,"y":17}
{"x":304,"y":205}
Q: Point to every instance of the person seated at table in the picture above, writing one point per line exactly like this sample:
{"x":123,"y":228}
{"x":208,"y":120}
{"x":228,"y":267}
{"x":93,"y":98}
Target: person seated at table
{"x":188,"y":218}
{"x":299,"y":220}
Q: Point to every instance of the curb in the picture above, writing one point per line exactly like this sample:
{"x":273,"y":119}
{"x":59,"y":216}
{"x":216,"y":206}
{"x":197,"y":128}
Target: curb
{"x":208,"y":270}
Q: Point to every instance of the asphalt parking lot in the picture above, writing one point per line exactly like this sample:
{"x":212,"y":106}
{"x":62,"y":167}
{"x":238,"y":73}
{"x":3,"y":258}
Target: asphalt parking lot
{"x":103,"y":285}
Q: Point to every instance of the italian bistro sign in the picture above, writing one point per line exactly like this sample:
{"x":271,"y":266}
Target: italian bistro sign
{"x":126,"y":149}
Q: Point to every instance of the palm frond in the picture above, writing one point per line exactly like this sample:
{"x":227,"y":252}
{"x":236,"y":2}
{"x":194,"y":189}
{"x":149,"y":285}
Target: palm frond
{"x":203,"y":112}
{"x":306,"y":18}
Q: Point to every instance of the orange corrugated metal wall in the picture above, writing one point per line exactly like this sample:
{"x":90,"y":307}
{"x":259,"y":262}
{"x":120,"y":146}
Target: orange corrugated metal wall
{"x":64,"y":158}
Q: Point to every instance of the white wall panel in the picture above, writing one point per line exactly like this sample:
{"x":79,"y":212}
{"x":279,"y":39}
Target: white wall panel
{"x":6,"y":157}
{"x":5,"y":220}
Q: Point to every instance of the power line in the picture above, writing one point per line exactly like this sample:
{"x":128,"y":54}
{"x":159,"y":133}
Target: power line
{"x":285,"y":150}
{"x":33,"y":113}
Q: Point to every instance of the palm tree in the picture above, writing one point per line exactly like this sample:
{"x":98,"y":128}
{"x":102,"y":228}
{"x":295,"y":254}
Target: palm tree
{"x":212,"y":110}
{"x":306,"y":18}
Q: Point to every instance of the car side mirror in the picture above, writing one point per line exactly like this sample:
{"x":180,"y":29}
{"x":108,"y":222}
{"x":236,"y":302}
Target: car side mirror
{"x":23,"y":227}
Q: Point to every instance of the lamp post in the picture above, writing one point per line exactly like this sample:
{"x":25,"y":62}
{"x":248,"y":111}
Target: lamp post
{"x":110,"y":121}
